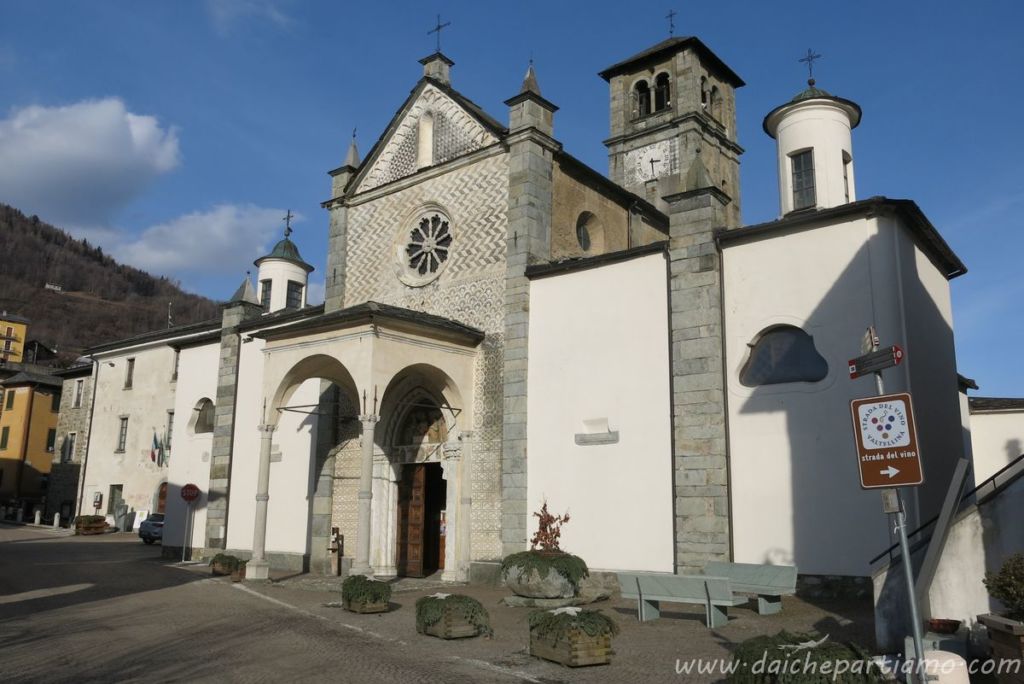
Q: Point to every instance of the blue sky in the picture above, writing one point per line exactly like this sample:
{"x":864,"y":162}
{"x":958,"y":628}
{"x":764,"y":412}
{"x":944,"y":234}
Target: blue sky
{"x":175,"y":134}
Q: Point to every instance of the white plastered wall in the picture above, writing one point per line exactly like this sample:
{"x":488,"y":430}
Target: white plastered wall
{"x":599,"y":351}
{"x":796,"y":495}
{"x":190,"y":455}
{"x":996,"y":439}
{"x":290,"y":475}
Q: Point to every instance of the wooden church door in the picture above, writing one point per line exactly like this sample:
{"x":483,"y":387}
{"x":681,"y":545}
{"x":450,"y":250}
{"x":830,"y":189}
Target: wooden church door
{"x":412,"y":491}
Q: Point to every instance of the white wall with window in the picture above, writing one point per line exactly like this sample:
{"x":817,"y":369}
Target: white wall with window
{"x":796,"y":308}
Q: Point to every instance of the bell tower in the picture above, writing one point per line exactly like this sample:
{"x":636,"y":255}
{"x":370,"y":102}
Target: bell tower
{"x":669,"y":104}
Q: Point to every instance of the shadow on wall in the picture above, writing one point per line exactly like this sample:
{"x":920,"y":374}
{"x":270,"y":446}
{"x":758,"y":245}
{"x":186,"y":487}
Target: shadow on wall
{"x":1014,"y":449}
{"x":827,"y":501}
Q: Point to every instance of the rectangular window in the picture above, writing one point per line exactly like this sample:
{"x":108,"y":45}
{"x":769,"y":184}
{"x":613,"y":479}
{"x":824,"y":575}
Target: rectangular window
{"x":55,"y":402}
{"x":68,"y":454}
{"x":79,"y":390}
{"x":115,"y":498}
{"x":7,"y":345}
{"x":294,"y":300}
{"x":170,"y":429}
{"x":4,"y":436}
{"x":51,"y":439}
{"x":174,"y":370}
{"x":265,"y":294}
{"x":803,"y":180}
{"x":129,"y":374}
{"x":10,"y":399}
{"x":122,"y":434}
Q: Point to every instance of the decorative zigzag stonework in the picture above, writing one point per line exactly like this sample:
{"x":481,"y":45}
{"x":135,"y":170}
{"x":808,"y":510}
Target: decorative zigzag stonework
{"x":456,"y":133}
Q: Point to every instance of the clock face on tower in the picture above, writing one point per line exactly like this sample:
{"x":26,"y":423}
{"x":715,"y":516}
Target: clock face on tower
{"x":650,"y":162}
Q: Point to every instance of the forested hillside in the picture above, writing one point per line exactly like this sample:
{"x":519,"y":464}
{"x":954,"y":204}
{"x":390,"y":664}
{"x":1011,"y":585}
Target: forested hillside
{"x":100,"y":300}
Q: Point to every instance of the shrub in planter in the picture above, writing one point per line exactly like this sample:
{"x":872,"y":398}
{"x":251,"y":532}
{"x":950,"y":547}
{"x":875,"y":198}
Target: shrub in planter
{"x":452,"y":616}
{"x":90,"y":524}
{"x":360,"y":594}
{"x":1006,"y":632}
{"x":787,"y":658}
{"x":547,"y":571}
{"x":572,"y":636}
{"x":226,"y":564}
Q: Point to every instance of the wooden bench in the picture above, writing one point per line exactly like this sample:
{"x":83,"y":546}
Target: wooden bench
{"x":769,"y":582}
{"x":714,"y":593}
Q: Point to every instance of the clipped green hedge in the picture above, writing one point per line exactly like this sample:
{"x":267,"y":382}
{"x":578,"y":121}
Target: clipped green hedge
{"x":362,"y":589}
{"x":567,"y":565}
{"x":556,"y":624}
{"x":430,"y":610}
{"x":786,"y":658}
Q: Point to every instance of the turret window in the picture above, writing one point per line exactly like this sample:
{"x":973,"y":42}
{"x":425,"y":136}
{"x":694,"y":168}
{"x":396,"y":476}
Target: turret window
{"x":642,"y":98}
{"x":803,"y":180}
{"x":265,"y":294}
{"x":847,"y":162}
{"x":662,"y":98}
{"x":294,"y":299}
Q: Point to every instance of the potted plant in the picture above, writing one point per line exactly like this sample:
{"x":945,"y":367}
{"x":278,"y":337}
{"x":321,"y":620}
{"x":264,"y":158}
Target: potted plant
{"x":360,"y":594}
{"x":90,"y":524}
{"x":451,"y":616}
{"x":1006,"y":631}
{"x":572,"y":636}
{"x":226,"y":564}
{"x":545,"y":572}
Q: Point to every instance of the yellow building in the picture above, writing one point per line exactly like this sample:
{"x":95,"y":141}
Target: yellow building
{"x":13,"y":330}
{"x":28,"y":429}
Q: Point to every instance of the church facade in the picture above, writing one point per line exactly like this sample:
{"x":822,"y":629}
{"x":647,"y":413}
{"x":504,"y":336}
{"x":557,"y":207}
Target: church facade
{"x":504,"y":326}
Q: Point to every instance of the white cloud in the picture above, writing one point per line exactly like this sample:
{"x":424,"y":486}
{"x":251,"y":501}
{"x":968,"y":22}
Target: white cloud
{"x":225,"y":13}
{"x":78,"y":165}
{"x":225,"y":239}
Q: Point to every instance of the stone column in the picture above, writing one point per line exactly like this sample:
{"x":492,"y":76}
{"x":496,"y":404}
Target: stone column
{"x":452,"y":474}
{"x":361,"y":566}
{"x":465,"y":519}
{"x":258,"y":567}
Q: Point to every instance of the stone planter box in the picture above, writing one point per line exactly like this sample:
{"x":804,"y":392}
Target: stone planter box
{"x":1007,"y":640}
{"x":90,"y":527}
{"x":452,"y":626}
{"x":365,"y":606}
{"x":220,"y":569}
{"x":239,"y":574}
{"x":575,"y":648}
{"x":531,"y":585}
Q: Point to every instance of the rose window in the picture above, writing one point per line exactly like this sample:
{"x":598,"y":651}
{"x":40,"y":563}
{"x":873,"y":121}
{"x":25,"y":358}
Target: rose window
{"x":428,"y":245}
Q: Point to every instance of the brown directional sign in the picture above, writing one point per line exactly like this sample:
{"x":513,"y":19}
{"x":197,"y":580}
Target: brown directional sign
{"x":876,"y":361}
{"x":886,"y":437}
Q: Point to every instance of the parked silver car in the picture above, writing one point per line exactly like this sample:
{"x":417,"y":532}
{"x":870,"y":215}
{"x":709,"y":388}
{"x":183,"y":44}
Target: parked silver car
{"x":152,"y":528}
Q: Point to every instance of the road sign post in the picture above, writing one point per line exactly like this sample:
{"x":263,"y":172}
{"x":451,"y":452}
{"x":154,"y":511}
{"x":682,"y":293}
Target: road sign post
{"x":189,"y":493}
{"x":888,"y":458}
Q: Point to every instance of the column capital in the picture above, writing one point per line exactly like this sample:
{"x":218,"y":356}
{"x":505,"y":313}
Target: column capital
{"x":368,"y":418}
{"x":268,"y":429}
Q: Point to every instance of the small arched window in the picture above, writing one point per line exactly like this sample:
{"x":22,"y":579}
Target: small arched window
{"x":714,"y":103}
{"x":642,"y":95}
{"x":202,"y":420}
{"x":425,"y":141}
{"x":661,"y":92}
{"x":704,"y":92}
{"x":783,"y":354}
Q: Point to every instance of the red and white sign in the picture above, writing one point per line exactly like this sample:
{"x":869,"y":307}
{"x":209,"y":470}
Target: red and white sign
{"x":190,"y":493}
{"x":886,"y":437}
{"x":876,"y":361}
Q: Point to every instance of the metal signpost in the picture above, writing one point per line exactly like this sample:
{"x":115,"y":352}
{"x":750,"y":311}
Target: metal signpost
{"x":888,"y":457}
{"x":189,"y":493}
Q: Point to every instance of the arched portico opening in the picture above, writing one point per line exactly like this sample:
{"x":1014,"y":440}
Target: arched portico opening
{"x":421,"y":488}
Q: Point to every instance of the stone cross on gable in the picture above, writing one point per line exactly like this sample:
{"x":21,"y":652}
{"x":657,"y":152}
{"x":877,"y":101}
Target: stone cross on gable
{"x":437,"y":30}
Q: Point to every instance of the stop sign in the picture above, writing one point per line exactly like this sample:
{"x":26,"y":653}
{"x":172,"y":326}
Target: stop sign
{"x":190,"y":492}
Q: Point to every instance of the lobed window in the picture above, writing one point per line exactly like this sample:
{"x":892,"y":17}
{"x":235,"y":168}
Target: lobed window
{"x":783,"y":354}
{"x":803,"y":180}
{"x":122,"y":434}
{"x":294,"y":298}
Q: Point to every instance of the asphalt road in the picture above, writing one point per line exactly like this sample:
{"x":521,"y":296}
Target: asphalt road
{"x":108,"y":608}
